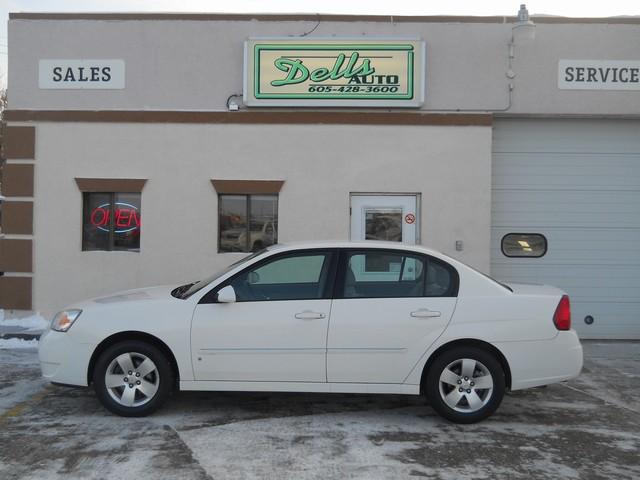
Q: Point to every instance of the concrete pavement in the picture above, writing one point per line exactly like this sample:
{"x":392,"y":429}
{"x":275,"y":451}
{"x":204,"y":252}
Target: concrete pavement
{"x":586,"y":429}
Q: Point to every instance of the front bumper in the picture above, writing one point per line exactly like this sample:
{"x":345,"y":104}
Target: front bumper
{"x":62,"y":359}
{"x":538,"y":363}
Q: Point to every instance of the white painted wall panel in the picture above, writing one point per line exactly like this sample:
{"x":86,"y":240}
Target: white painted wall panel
{"x":320,"y":165}
{"x":196,"y":65}
{"x":578,"y":183}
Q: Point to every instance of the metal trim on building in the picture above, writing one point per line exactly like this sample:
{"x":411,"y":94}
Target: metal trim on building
{"x":214,"y":17}
{"x":20,"y":143}
{"x":263,"y":117}
{"x":17,"y":218}
{"x":247,"y":187}
{"x":15,"y":292}
{"x":17,"y":180}
{"x":16,"y":255}
{"x":115,"y":185}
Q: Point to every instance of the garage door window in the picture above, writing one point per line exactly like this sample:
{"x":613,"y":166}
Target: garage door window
{"x":532,"y":245}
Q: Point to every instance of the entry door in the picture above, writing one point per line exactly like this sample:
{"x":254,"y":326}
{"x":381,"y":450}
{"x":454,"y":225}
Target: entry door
{"x":391,"y":218}
{"x":276,"y":331}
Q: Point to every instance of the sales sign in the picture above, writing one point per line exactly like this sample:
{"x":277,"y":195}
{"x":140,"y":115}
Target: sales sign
{"x":81,"y":74}
{"x":334,"y":72}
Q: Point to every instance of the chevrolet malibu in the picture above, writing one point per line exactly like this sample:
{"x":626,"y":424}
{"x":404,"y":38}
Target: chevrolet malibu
{"x":326,"y":317}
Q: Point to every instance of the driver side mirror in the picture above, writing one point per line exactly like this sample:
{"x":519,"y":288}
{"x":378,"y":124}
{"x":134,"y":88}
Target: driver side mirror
{"x":226,"y":295}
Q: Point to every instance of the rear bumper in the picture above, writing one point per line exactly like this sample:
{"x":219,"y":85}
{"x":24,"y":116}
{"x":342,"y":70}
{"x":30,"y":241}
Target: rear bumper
{"x":538,"y":363}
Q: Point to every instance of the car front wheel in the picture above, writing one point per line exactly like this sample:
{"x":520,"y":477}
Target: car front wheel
{"x":465,"y":384}
{"x":132,"y":378}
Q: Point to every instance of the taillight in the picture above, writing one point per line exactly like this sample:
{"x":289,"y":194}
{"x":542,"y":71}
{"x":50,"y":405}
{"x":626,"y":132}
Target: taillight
{"x":562,"y":317}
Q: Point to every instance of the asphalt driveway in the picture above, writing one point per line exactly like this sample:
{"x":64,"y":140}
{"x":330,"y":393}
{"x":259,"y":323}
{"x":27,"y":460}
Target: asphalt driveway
{"x":587,"y":429}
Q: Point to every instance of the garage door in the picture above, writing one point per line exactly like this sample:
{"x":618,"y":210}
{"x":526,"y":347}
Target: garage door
{"x":577,"y":182}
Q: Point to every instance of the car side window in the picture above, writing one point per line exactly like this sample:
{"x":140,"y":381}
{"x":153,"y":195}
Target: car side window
{"x":289,"y":277}
{"x":386,"y":274}
{"x":439,"y":281}
{"x":383,"y":274}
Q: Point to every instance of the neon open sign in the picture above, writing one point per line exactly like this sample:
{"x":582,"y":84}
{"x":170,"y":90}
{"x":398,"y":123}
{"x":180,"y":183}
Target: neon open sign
{"x":126,"y":217}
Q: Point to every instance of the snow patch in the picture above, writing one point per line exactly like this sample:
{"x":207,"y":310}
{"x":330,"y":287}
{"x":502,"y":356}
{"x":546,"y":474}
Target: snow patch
{"x":33,"y":322}
{"x":7,"y":343}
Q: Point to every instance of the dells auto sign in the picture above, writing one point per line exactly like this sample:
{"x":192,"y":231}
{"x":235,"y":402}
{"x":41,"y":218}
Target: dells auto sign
{"x":334,"y":72}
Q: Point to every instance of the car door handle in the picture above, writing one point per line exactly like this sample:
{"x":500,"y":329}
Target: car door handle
{"x":309,"y":315}
{"x":425,"y":313}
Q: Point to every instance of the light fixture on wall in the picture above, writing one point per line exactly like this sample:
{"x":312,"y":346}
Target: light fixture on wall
{"x":524,"y":28}
{"x":232,"y":104}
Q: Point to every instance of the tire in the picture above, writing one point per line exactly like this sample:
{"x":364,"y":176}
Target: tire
{"x":145,"y":389}
{"x":456,"y":394}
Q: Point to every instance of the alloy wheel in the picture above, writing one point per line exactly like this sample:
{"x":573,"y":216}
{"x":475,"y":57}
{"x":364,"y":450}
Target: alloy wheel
{"x":466,"y":385}
{"x":132,"y":379}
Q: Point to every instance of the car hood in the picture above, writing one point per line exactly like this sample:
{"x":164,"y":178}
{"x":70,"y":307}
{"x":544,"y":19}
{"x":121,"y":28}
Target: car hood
{"x":136,"y":295}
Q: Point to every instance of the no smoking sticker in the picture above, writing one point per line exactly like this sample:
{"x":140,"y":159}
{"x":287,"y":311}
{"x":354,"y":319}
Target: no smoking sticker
{"x":409,"y":218}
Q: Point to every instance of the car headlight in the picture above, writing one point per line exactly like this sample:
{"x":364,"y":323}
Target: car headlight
{"x":63,"y":320}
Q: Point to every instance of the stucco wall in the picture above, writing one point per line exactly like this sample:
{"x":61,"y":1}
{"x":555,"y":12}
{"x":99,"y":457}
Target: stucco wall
{"x":196,"y":65}
{"x":321,"y":165}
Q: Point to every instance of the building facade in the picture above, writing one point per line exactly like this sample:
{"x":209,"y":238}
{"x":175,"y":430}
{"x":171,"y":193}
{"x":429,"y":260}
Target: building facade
{"x":514,"y":148}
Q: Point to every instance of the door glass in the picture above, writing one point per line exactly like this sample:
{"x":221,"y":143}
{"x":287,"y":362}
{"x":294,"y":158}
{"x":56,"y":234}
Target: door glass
{"x":305,"y":269}
{"x":412,"y":269}
{"x":383,"y":224}
{"x":298,"y":277}
{"x":396,"y":275}
{"x":440,"y":280}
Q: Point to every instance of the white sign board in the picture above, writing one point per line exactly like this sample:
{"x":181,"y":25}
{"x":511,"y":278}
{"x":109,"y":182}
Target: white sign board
{"x":330,"y":72}
{"x":81,"y":74}
{"x":599,"y":74}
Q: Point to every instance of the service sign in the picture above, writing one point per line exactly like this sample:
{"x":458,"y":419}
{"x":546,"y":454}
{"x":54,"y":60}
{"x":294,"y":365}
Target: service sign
{"x":334,"y":72}
{"x":78,"y":74}
{"x":599,"y":74}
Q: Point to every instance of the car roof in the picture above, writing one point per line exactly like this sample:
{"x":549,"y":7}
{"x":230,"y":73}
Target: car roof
{"x":348,"y":244}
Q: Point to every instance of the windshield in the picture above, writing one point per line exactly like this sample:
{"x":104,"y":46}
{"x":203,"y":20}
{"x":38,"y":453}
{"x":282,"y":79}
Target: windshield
{"x":203,"y":283}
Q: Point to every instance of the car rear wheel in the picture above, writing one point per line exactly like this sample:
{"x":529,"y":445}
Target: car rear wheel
{"x":132,"y":378}
{"x":465,"y":384}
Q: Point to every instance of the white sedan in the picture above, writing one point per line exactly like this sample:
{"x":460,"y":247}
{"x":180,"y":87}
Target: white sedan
{"x":322,"y":317}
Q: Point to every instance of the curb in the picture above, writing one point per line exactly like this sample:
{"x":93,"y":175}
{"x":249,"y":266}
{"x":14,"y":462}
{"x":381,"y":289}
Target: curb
{"x":21,"y":335}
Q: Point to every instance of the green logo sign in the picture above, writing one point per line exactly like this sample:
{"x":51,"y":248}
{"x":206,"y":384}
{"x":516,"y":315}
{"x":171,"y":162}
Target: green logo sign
{"x":330,"y":72}
{"x":297,"y":72}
